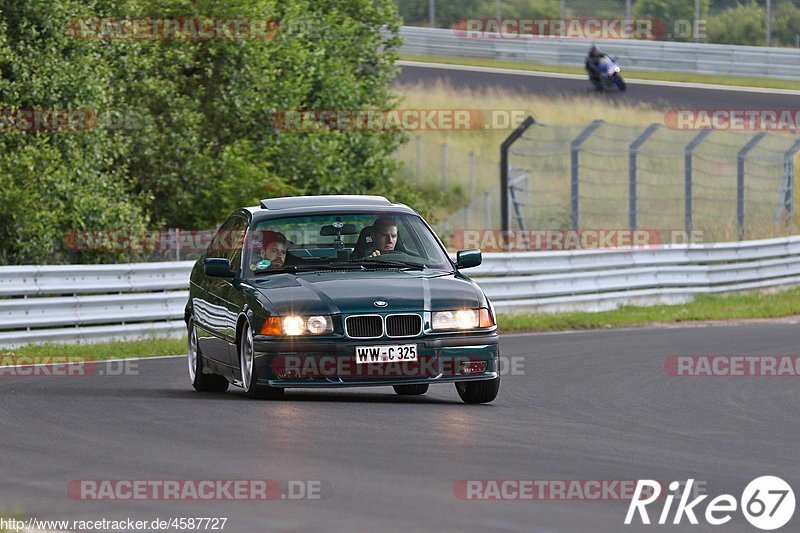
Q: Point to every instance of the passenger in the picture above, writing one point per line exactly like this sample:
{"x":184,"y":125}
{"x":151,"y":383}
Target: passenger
{"x":273,"y":248}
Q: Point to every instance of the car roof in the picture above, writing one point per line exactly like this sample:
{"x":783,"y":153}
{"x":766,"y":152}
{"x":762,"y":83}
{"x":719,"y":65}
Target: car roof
{"x":330,"y":200}
{"x":333,"y":203}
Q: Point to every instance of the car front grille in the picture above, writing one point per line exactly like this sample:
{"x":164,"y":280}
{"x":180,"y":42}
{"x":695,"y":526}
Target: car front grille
{"x":403,"y":325}
{"x":372,"y":326}
{"x":364,"y":326}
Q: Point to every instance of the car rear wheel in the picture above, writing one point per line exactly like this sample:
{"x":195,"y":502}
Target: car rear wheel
{"x":249,"y":371}
{"x":200,"y":381}
{"x":478,"y":391}
{"x":411,"y":390}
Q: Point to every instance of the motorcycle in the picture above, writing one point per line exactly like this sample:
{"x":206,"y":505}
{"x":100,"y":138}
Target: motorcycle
{"x":609,"y":75}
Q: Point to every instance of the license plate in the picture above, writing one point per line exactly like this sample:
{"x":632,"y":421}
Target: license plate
{"x":388,"y":353}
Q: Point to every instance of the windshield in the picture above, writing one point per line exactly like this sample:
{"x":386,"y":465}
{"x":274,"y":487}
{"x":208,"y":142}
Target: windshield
{"x":342,"y":241}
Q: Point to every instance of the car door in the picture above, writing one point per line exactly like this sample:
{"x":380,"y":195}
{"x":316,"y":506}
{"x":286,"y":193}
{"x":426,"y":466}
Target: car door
{"x":217,"y":314}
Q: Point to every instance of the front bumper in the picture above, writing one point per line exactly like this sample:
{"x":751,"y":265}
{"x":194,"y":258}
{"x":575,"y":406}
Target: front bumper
{"x":310,"y":363}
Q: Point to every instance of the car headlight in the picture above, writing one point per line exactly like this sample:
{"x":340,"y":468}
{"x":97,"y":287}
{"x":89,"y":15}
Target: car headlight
{"x":294,"y":325}
{"x":461,"y":319}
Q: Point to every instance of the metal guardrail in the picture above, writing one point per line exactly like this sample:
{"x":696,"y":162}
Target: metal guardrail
{"x":699,"y":58}
{"x":63,"y":304}
{"x":86,"y":303}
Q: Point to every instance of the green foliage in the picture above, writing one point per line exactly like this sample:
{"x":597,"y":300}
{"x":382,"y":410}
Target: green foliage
{"x":530,"y":9}
{"x":200,"y":140}
{"x":676,"y":16}
{"x":743,"y":24}
{"x":53,"y":182}
{"x":415,"y":12}
{"x":785,"y":23}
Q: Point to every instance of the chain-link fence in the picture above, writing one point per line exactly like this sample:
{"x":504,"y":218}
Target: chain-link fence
{"x":442,"y":166}
{"x":726,"y":184}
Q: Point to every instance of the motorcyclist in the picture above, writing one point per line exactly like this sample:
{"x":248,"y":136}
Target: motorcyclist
{"x":593,"y":66}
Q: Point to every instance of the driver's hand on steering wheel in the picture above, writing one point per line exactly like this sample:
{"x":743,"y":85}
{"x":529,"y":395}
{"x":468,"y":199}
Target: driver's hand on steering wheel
{"x":376,"y":253}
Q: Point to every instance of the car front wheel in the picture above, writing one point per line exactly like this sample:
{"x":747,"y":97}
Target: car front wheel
{"x":200,"y":381}
{"x":249,"y":372}
{"x":478,"y":391}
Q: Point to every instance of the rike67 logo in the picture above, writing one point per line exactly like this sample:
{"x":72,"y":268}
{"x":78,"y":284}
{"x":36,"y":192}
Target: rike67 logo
{"x":767,"y":503}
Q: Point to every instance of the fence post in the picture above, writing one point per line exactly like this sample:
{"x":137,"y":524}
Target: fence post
{"x":633,"y":153}
{"x":471,"y":189}
{"x":574,"y":148}
{"x":444,"y":166}
{"x":177,"y":244}
{"x":788,"y":165}
{"x":487,"y":210}
{"x":505,"y":146}
{"x":687,"y":164}
{"x":418,"y":143}
{"x":740,"y":160}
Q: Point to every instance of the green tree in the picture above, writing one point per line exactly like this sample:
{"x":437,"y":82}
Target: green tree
{"x":743,"y":25}
{"x":54,"y":182}
{"x":677,"y":16}
{"x":786,"y":23}
{"x":203,"y":140}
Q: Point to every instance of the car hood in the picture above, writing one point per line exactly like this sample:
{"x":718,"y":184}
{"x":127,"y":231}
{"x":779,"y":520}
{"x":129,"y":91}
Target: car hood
{"x":346,"y":292}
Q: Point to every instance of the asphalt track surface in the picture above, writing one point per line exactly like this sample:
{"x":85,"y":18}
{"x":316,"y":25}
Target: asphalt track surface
{"x":587,"y":405}
{"x":660,"y":96}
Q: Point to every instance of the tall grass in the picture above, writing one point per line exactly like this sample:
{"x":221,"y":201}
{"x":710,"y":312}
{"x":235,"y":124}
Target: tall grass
{"x":544,"y":151}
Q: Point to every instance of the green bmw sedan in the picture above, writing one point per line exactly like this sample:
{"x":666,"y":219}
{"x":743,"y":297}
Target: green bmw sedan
{"x":337,"y":291}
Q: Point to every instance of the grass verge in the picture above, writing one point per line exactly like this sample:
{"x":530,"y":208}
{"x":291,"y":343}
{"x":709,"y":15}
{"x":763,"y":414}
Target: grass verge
{"x":101,"y":351}
{"x":739,"y":81}
{"x":703,"y":308}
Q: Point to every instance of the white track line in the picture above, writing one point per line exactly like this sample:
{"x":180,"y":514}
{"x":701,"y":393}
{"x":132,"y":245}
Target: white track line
{"x":538,"y":74}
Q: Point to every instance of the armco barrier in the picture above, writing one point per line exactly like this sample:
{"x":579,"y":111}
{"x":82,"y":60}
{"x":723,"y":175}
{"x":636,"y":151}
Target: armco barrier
{"x":700,"y":58}
{"x":102,"y":302}
{"x":90,"y":303}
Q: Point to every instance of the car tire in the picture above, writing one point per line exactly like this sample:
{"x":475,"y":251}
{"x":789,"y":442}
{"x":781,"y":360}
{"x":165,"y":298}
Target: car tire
{"x":249,"y":372}
{"x":478,"y":391}
{"x":411,"y":390}
{"x":201,"y":381}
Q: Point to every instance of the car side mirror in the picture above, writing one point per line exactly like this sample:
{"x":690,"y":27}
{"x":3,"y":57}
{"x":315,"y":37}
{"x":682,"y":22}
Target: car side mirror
{"x":468,"y":258}
{"x":218,"y":267}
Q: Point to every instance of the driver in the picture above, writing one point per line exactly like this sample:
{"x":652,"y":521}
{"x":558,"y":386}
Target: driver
{"x":384,"y":235}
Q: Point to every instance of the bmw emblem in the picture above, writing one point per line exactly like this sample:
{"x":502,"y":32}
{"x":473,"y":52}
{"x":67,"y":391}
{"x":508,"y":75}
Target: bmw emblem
{"x":381,"y":303}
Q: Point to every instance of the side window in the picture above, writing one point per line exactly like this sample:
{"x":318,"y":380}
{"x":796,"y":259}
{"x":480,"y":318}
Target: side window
{"x":218,"y":246}
{"x":227,"y":243}
{"x":236,"y":239}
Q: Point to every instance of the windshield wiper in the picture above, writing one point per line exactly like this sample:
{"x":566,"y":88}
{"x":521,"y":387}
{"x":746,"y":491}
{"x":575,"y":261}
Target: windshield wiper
{"x":390,"y":263}
{"x":305,"y":268}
